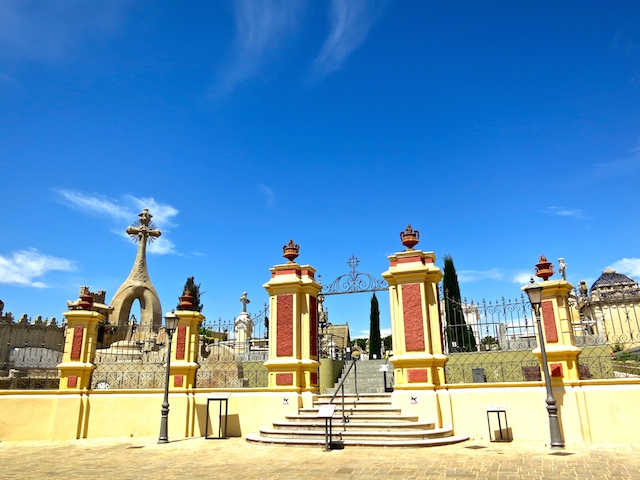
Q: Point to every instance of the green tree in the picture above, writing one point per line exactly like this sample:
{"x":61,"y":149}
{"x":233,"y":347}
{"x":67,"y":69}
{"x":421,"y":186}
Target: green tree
{"x":374,"y":328}
{"x":387,"y":341}
{"x":190,"y":288}
{"x":458,"y":335}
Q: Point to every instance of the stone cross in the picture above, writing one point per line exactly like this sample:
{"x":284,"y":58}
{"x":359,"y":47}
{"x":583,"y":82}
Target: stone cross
{"x":244,"y":299}
{"x":143,"y":231}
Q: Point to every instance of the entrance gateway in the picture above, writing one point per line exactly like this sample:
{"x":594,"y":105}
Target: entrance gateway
{"x":352,"y":282}
{"x":412,"y":280}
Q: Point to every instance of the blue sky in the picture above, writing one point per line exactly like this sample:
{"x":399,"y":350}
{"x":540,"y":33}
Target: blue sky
{"x":500,"y":130}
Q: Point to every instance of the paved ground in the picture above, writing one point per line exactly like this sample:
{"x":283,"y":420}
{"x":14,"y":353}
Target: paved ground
{"x":142,"y":458}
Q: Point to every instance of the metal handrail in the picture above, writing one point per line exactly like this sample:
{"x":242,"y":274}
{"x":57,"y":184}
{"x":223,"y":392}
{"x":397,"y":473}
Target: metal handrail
{"x":341,"y":388}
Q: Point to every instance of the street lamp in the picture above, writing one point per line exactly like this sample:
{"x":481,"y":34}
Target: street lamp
{"x":534,"y":292}
{"x":170,"y":324}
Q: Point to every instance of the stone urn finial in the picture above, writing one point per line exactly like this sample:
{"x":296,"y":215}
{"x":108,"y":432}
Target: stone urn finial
{"x":544,"y":269}
{"x":291,"y":251}
{"x":85,"y":299}
{"x":410,"y":237}
{"x":186,"y":300}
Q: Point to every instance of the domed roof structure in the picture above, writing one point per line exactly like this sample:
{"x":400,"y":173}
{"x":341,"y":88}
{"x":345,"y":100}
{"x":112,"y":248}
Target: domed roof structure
{"x":611,"y":280}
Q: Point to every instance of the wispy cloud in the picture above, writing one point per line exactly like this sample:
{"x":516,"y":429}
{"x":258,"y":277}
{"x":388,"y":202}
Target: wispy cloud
{"x":23,"y":267}
{"x":522,"y":278}
{"x":261,"y":26}
{"x":628,"y":266}
{"x":49,"y":31}
{"x":126,"y":210}
{"x":351,"y":21}
{"x":566,"y":212}
{"x":476,"y":275}
{"x":269,"y":195}
{"x":617,"y":168}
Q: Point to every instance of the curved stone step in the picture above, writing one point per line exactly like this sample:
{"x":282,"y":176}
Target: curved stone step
{"x":318,"y":424}
{"x":430,"y":442}
{"x":377,"y":435}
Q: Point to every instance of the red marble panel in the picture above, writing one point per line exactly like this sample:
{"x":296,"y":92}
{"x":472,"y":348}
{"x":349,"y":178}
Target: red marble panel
{"x":314,"y":378}
{"x":308,"y":273}
{"x":549,"y":319}
{"x":178,"y":380}
{"x":288,"y":271}
{"x":284,"y":319}
{"x":72,"y":381}
{"x":76,"y":343}
{"x":313,"y":326}
{"x":415,"y":258}
{"x":181,"y":343}
{"x":556,"y":370}
{"x":413,"y":321}
{"x":416,"y":375}
{"x":284,"y":378}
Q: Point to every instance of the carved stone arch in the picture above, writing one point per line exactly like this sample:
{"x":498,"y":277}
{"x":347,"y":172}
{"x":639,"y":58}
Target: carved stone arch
{"x":150,"y":307}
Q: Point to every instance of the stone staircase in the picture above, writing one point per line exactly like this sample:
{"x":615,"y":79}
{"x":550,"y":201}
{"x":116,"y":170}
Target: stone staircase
{"x":371,"y":420}
{"x":370,"y":378}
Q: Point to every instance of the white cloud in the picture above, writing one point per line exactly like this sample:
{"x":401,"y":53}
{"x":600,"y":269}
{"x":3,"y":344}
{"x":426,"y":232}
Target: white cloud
{"x":566,"y":212}
{"x":384,"y":332}
{"x":522,"y":278}
{"x":269,"y":195}
{"x":95,"y":204}
{"x":50,"y":30}
{"x":125,"y":212}
{"x":628,"y":266}
{"x":476,"y":275}
{"x":24,"y":266}
{"x":261,"y":25}
{"x":161,"y":246}
{"x":351,"y":21}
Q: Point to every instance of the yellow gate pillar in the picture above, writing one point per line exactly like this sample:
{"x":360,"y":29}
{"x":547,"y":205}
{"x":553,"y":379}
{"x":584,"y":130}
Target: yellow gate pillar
{"x":293,"y":328}
{"x":562,"y":354}
{"x":80,"y":345}
{"x":418,"y":358}
{"x":184,"y":353}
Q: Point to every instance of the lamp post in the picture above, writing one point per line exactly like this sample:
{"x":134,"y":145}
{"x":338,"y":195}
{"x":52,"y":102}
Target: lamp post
{"x":170,"y":324}
{"x":534,"y":292}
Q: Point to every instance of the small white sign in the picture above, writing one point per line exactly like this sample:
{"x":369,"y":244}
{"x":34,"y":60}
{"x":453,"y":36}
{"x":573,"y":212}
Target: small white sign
{"x":496,"y":408}
{"x":384,"y":368}
{"x":220,"y":395}
{"x":326,"y":411}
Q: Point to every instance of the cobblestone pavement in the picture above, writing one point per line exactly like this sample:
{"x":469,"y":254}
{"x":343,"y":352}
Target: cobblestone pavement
{"x":141,"y":458}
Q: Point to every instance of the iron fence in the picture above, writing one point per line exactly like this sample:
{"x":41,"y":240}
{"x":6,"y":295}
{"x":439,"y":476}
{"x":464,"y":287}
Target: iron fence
{"x":232,"y":353}
{"x":607,"y":327}
{"x":30,"y":353}
{"x":488,"y":342}
{"x":130,"y":356}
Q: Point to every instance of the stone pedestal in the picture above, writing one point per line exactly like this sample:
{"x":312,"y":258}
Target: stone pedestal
{"x":418,"y":357}
{"x":79,"y":349}
{"x":293,"y":328}
{"x":562,"y":354}
{"x":184,"y":351}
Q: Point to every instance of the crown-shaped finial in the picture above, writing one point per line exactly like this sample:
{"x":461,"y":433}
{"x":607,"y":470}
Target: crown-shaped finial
{"x":543,"y":268}
{"x":291,"y":251}
{"x":410,"y":237}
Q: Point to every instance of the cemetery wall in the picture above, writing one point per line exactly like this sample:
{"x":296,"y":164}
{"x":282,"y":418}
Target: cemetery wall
{"x":64,"y":415}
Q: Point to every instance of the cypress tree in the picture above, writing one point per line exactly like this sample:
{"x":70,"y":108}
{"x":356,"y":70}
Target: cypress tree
{"x":374,"y":328}
{"x":458,"y":335}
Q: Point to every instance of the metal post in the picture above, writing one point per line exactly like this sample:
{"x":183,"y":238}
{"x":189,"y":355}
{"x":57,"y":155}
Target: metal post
{"x":554,"y":426}
{"x":165,"y":404}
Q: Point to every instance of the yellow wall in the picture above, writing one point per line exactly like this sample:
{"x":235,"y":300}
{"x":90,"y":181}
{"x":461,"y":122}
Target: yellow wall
{"x":590,"y":411}
{"x":69,"y":415}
